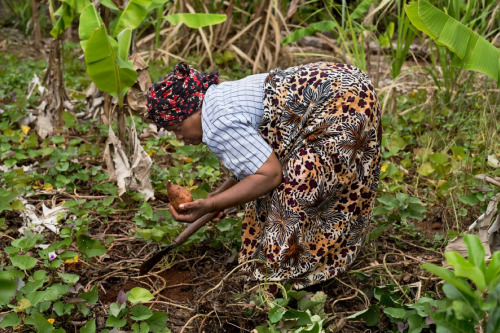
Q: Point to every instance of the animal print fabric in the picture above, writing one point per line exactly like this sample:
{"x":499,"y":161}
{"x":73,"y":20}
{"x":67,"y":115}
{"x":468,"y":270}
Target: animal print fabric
{"x":323,"y":122}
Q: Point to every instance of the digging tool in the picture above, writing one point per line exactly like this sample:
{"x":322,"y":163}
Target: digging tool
{"x":183,"y":236}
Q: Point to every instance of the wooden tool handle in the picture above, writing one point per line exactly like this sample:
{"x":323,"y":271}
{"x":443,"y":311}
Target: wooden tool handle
{"x":193,"y":227}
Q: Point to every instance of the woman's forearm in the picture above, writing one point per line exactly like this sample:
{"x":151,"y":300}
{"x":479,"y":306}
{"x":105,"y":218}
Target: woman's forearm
{"x":266,"y":179}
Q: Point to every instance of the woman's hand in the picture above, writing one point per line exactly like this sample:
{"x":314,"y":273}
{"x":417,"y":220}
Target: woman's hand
{"x":191,"y":211}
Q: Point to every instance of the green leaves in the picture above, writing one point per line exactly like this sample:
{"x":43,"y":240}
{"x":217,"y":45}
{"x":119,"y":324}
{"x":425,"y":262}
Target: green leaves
{"x":475,"y":52}
{"x":139,"y":295}
{"x":469,"y":307}
{"x":322,"y":26}
{"x":89,"y":21}
{"x":109,"y":72}
{"x":90,"y":247}
{"x":131,"y":17}
{"x":66,"y":13}
{"x":196,"y":20}
{"x":23,"y":261}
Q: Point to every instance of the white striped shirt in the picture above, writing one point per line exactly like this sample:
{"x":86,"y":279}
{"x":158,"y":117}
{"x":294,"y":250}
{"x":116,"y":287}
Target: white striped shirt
{"x":231,"y":115}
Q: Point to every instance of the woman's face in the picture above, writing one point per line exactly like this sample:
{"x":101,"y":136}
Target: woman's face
{"x":189,"y":130}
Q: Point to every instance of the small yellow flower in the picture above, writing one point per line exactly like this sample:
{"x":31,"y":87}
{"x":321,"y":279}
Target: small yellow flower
{"x":72,"y":260}
{"x":384,"y":167}
{"x":25,"y":129}
{"x":51,"y":320}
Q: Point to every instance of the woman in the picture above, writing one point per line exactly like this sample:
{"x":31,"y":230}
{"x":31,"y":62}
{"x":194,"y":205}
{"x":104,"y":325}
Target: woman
{"x":303,"y":145}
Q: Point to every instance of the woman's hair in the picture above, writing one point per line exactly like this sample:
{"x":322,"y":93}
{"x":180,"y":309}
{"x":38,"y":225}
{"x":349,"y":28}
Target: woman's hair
{"x":178,"y":95}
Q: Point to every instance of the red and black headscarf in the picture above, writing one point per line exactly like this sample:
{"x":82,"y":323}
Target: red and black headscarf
{"x":178,"y":95}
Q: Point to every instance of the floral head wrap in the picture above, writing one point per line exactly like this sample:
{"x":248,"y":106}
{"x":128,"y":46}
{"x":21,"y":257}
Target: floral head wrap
{"x":178,"y":95}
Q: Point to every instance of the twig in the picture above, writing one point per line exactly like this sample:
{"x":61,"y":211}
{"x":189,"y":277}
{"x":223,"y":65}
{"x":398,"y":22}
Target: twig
{"x":394,"y":279}
{"x":226,"y":277}
{"x":194,"y":317}
{"x":172,"y":304}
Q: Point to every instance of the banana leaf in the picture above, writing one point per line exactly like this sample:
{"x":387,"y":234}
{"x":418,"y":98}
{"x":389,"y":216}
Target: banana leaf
{"x":89,"y":21}
{"x":195,"y":20}
{"x":131,"y":17}
{"x":105,"y":65}
{"x":473,"y":51}
{"x":66,"y":13}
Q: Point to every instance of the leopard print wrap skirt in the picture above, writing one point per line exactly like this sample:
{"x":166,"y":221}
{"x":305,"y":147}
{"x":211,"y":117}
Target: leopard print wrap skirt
{"x":323,"y":122}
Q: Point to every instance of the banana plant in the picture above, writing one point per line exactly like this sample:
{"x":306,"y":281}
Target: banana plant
{"x":472,"y":51}
{"x":106,"y":58}
{"x":55,"y":97}
{"x":109,"y":67}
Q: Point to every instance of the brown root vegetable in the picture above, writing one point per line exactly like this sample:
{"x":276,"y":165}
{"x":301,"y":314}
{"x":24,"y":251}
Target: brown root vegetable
{"x":178,"y":195}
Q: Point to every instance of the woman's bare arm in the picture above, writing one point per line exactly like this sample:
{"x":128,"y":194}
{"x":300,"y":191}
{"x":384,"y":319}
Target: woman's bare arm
{"x":266,"y":179}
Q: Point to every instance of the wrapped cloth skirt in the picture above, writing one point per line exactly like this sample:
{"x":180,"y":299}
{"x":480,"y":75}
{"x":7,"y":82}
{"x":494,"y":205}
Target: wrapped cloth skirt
{"x":323,"y":122}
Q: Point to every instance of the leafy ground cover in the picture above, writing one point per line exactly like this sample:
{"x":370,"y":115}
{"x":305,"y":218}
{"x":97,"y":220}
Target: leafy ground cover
{"x":80,"y":270}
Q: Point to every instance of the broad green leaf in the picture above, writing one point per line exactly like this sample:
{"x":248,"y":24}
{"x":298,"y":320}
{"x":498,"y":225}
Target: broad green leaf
{"x":304,"y":318}
{"x":389,"y":201}
{"x":26,"y":242}
{"x":10,"y":320}
{"x":196,"y":20}
{"x":469,"y":199}
{"x":112,"y":321}
{"x":110,"y":4}
{"x":476,"y":251}
{"x":275,"y":314}
{"x":322,"y":26}
{"x":397,"y":313}
{"x":371,"y":315}
{"x":140,"y":312}
{"x":70,"y":279}
{"x":492,"y":274}
{"x":90,"y":247}
{"x":66,"y":15}
{"x":40,"y":323}
{"x":426,"y":169}
{"x":450,"y":324}
{"x":109,"y":72}
{"x":476,"y":53}
{"x":493,"y":325}
{"x":89,"y":327}
{"x":116,"y":308}
{"x":23,"y":261}
{"x":139,"y":295}
{"x":439,"y":158}
{"x":465,"y":269}
{"x":89,"y":21}
{"x":156,"y":4}
{"x":157,"y":322}
{"x":90,"y":296}
{"x":124,"y":41}
{"x":450,"y":277}
{"x":131,"y":17}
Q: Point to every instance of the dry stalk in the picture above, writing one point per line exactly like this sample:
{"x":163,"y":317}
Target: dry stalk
{"x":194,"y":317}
{"x":256,"y":64}
{"x":218,"y":285}
{"x":393,"y":278}
{"x":172,"y":304}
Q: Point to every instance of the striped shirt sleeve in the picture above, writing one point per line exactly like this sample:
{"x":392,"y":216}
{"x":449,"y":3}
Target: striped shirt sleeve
{"x":230,"y":117}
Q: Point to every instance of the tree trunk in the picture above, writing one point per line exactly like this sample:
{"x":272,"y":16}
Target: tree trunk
{"x":55,"y":97}
{"x":36,"y":25}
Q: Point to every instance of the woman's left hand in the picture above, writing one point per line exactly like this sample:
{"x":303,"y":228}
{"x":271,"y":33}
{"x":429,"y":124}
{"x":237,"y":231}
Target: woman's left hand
{"x":191,"y":211}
